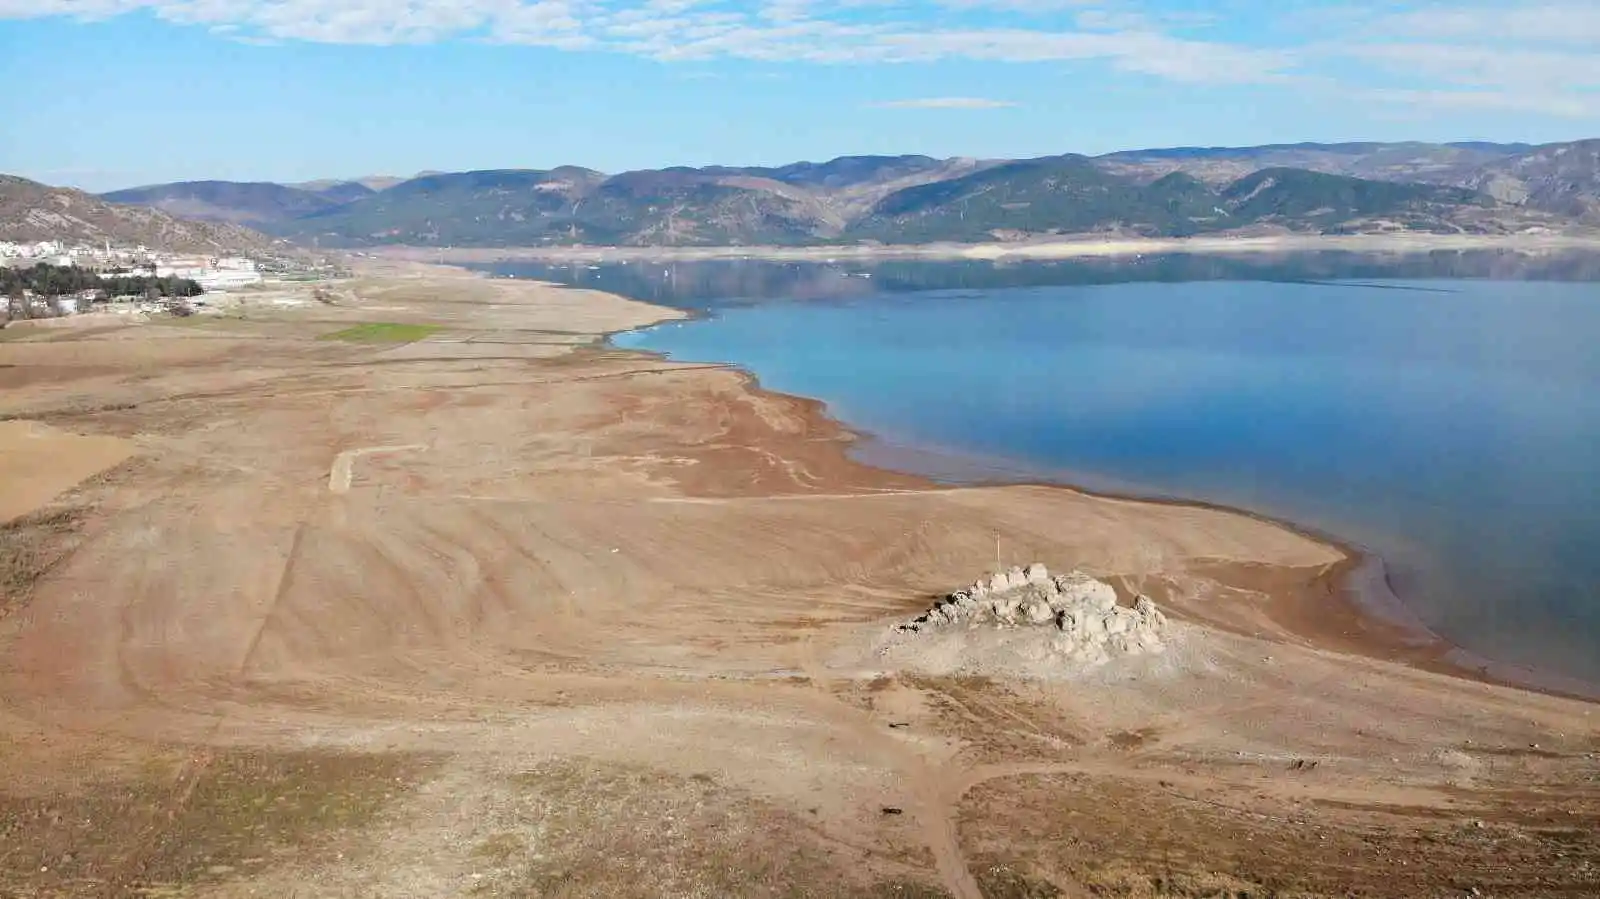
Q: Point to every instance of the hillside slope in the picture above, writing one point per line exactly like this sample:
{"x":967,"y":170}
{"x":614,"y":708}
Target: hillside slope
{"x":1406,"y":161}
{"x":689,"y":206}
{"x":1559,"y":178}
{"x":1055,"y":194}
{"x":850,"y":185}
{"x":226,"y":201}
{"x":30,"y":211}
{"x":494,"y":207}
{"x":343,"y":191}
{"x":1303,"y":200}
{"x":570,"y":204}
{"x":1067,"y":194}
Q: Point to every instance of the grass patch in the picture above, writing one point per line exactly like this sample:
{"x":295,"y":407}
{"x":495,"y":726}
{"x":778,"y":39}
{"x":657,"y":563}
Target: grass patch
{"x":1002,"y":881}
{"x":383,"y":332}
{"x":14,"y":331}
{"x":184,"y":821}
{"x":625,"y":832}
{"x":30,"y":546}
{"x":500,"y":848}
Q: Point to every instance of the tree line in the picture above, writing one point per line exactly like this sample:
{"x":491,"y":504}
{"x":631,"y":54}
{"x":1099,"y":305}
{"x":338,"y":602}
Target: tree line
{"x":46,"y":280}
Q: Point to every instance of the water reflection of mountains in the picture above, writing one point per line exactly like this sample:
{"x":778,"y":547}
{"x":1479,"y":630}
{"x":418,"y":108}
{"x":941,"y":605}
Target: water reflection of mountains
{"x":723,"y":282}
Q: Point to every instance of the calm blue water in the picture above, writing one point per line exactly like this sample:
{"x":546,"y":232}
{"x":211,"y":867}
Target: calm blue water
{"x":1453,"y":426}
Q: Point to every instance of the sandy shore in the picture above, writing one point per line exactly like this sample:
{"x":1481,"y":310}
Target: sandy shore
{"x":527,"y":615}
{"x":1088,"y":246}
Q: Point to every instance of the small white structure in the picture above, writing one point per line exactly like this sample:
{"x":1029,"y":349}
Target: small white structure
{"x":222,"y":279}
{"x":212,"y":274}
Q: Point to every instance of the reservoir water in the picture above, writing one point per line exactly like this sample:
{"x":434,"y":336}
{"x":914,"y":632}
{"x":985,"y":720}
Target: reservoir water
{"x":1443,"y":413}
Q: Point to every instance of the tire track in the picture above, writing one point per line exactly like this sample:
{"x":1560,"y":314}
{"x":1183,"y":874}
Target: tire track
{"x":278,"y":593}
{"x":343,"y":468}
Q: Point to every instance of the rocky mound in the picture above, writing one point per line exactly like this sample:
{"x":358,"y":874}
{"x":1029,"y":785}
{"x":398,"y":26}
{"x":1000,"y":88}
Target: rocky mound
{"x":1080,"y":614}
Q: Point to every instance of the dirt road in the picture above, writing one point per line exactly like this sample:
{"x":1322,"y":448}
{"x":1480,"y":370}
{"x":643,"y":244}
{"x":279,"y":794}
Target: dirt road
{"x":505,"y":612}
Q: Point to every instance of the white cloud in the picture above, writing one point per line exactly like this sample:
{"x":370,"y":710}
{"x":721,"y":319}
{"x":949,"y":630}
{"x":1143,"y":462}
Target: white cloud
{"x":815,"y":31}
{"x":1568,"y":23}
{"x":1537,"y":56}
{"x":1488,"y":54}
{"x":1564,"y":105}
{"x":87,"y":10}
{"x":946,"y":103}
{"x":1022,"y":6}
{"x":1489,"y":66}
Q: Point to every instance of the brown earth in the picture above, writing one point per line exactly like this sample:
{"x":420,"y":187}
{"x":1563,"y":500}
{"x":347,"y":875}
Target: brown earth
{"x":501,"y":612}
{"x":40,"y":462}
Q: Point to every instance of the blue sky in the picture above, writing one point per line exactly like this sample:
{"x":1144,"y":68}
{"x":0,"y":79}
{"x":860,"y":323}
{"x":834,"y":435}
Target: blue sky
{"x":113,"y":93}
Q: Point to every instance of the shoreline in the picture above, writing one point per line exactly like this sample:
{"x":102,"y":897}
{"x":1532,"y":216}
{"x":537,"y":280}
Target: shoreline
{"x":1332,"y":612}
{"x":1071,"y":247}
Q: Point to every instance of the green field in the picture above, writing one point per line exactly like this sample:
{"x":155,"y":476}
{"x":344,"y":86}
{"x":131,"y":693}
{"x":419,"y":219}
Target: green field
{"x":382,"y":332}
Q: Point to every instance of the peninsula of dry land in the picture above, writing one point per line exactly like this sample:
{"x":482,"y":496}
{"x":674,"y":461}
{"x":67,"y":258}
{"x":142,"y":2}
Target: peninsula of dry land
{"x":418,"y":589}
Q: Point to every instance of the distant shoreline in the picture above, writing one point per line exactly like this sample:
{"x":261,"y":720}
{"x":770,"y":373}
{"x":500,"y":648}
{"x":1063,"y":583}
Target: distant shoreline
{"x":1083,"y":247}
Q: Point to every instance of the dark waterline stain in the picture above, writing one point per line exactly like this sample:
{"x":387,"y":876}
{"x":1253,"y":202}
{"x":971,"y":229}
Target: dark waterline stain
{"x":1455,"y":438}
{"x":1371,"y":285}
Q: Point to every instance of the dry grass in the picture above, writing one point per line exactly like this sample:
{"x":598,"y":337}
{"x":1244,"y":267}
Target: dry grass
{"x":593,"y":830}
{"x":996,"y":722}
{"x":30,"y":546}
{"x":1002,"y":881}
{"x":1154,"y":840}
{"x":183,"y":821}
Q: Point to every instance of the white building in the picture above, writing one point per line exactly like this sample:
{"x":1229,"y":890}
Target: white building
{"x":222,"y":279}
{"x":212,"y":274}
{"x":181,"y":267}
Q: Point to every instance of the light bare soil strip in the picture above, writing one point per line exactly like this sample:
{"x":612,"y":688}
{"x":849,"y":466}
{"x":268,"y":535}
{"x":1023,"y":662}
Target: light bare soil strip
{"x":1086,"y":246}
{"x":343,"y":468}
{"x":502,"y":612}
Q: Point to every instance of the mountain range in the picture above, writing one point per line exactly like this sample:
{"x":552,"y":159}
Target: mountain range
{"x":1318,"y":188}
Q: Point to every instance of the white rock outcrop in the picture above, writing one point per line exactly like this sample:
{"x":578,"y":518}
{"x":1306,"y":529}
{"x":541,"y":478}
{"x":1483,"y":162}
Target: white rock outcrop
{"x":1078,"y":614}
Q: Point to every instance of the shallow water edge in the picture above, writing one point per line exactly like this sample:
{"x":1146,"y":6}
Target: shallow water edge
{"x":1392,"y":630}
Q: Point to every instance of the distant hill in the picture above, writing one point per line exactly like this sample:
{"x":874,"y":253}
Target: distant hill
{"x":1443,"y":163}
{"x":488,"y":207}
{"x":30,"y":211}
{"x":1071,"y":194}
{"x":1560,"y":178}
{"x":372,"y":183}
{"x":342,"y":192}
{"x":575,"y":205}
{"x":1301,"y":199}
{"x":688,"y":206}
{"x":1050,"y":195}
{"x":1471,"y":186}
{"x":226,"y":201}
{"x":849,"y":185}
